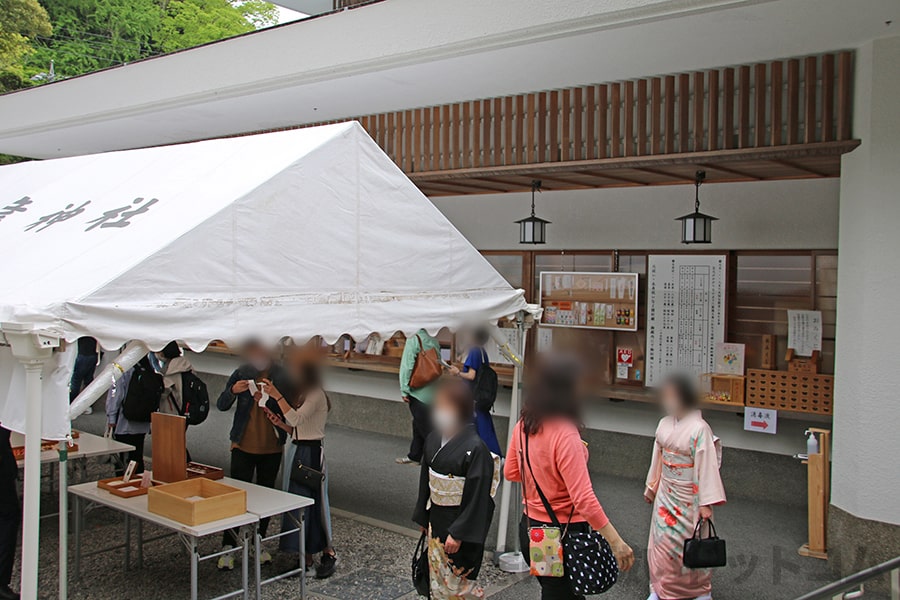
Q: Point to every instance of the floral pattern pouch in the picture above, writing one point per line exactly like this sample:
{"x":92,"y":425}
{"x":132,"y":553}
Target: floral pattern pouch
{"x":546,"y":551}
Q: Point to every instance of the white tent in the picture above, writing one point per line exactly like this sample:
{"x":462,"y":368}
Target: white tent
{"x":299,"y":233}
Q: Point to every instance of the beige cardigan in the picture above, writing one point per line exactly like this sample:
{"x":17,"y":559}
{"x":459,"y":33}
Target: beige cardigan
{"x":309,"y":419}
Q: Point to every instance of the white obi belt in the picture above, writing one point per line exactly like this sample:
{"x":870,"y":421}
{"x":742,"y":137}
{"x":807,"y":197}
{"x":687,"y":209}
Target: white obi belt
{"x":447,"y":490}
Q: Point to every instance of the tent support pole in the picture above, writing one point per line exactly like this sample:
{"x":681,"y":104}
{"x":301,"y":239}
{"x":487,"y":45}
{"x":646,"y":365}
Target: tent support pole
{"x":514,"y":405}
{"x":130,"y":355}
{"x":31,"y":513}
{"x":33,"y":349}
{"x":63,"y":520}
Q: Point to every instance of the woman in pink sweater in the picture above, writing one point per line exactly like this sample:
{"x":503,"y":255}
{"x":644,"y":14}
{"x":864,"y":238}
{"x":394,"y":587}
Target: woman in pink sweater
{"x":551,"y":421}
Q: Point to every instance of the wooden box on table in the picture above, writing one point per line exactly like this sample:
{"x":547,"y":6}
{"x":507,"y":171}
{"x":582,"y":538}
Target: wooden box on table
{"x":196,"y":501}
{"x":723,"y":389}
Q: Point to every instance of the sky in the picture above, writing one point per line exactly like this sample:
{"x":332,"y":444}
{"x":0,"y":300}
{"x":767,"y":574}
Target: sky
{"x":286,"y":14}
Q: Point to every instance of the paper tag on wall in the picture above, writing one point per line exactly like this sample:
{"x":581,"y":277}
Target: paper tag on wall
{"x":544,"y":339}
{"x":622,"y":371}
{"x":761,"y":420}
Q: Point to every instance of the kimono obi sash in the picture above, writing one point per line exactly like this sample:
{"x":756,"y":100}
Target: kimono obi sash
{"x":677,"y":466}
{"x":447,"y":490}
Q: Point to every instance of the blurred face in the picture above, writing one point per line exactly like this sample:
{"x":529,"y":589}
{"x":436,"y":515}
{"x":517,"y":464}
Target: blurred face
{"x":444,"y":415}
{"x":671,"y":403}
{"x":258,"y":357}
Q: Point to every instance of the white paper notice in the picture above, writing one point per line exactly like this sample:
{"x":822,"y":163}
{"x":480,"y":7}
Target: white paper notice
{"x":805,"y":331}
{"x":761,"y":420}
{"x":544,"y":339}
{"x":685,"y":314}
{"x":622,"y":371}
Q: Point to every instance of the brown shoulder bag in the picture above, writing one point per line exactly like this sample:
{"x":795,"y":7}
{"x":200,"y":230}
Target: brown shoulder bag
{"x":427,"y":367}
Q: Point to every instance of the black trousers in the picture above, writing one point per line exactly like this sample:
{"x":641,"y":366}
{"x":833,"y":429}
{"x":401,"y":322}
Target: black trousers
{"x":421,"y":427}
{"x":243,"y":468}
{"x":137,"y":455}
{"x":82,"y":374}
{"x":10,"y":515}
{"x":552,"y":588}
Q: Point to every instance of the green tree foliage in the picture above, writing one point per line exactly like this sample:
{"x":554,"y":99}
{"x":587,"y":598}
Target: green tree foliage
{"x":21,"y":21}
{"x":190,"y":23}
{"x":89,"y":35}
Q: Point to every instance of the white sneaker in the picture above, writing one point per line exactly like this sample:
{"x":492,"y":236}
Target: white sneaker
{"x":264,"y":557}
{"x":226,"y":561}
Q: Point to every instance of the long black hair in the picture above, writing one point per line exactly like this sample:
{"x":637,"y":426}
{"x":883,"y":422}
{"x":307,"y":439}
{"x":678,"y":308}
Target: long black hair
{"x":552,"y":392}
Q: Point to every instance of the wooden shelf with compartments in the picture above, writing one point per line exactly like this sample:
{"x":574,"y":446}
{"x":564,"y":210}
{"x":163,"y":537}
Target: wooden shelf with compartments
{"x":790,"y":391}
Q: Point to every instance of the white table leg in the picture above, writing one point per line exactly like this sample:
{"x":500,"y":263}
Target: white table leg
{"x":140,"y":544}
{"x":77,"y":509}
{"x":303,"y":554}
{"x":127,"y":541}
{"x":258,"y":547}
{"x":245,"y":564}
{"x":195,"y":567}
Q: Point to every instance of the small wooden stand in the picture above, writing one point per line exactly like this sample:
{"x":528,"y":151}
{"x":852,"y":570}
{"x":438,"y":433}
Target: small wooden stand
{"x":802,"y":364}
{"x":819,"y":466}
{"x":169,"y":447}
{"x":170,"y":452}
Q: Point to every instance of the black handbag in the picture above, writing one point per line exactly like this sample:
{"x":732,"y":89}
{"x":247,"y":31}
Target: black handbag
{"x":420,"y":576}
{"x":704,"y":553}
{"x":590,"y":564}
{"x":309,"y":477}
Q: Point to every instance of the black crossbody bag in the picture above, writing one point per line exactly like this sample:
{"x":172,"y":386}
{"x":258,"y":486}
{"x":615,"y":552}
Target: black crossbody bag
{"x":309,"y":477}
{"x":589,"y":561}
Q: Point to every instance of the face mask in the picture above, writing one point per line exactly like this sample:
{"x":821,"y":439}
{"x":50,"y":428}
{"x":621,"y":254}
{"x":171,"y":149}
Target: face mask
{"x":260,"y":363}
{"x":443,"y":420}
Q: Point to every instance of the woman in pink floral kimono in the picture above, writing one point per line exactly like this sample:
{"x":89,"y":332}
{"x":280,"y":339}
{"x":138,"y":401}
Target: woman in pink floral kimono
{"x":683,"y":485}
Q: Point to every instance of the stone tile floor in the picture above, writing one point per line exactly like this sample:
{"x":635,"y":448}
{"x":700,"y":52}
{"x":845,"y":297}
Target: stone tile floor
{"x":373,"y":562}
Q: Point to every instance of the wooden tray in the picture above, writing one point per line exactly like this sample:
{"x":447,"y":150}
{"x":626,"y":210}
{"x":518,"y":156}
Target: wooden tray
{"x":46,"y":446}
{"x":199,"y":470}
{"x":117,"y":487}
{"x":196,"y":501}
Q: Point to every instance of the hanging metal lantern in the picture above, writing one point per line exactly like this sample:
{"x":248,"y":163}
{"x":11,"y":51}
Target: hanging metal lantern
{"x":696,"y":227}
{"x":533,"y":230}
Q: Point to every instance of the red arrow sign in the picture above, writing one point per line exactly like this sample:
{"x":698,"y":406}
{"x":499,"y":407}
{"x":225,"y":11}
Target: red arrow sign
{"x":760,"y":424}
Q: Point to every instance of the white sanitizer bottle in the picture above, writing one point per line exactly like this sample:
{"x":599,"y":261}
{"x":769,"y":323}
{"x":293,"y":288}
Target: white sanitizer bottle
{"x":812,"y":444}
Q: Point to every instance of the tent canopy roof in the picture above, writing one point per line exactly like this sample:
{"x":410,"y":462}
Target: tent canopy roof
{"x":297,"y":233}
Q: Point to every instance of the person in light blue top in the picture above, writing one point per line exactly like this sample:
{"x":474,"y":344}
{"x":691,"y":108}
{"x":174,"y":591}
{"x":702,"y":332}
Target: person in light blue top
{"x":123,"y":430}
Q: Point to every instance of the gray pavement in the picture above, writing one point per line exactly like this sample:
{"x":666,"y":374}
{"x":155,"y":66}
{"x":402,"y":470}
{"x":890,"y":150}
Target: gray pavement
{"x":762,"y":538}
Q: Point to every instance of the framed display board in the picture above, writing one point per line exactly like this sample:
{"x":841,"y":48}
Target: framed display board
{"x":590,"y":300}
{"x":685,"y":313}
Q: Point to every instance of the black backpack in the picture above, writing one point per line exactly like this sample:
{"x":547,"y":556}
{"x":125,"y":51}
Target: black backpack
{"x":485,"y":389}
{"x":194,"y":398}
{"x":144,"y":391}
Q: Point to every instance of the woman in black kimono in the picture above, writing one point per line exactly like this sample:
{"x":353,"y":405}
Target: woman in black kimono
{"x":456,"y":486}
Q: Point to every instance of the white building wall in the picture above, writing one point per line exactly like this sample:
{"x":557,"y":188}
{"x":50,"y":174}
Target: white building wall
{"x":867,"y":378}
{"x":765,"y":215}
